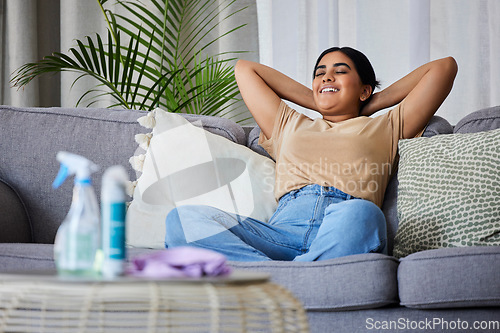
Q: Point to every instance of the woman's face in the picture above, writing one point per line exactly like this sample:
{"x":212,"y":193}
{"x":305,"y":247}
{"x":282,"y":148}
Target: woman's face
{"x":337,"y":87}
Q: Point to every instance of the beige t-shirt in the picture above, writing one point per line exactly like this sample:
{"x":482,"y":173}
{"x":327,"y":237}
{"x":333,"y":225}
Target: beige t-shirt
{"x":355,"y":156}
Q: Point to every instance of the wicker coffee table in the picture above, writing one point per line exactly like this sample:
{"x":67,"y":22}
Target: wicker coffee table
{"x":242,"y":302}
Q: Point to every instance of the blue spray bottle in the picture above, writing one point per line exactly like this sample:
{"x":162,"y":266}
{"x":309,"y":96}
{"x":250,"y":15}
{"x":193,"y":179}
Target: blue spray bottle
{"x":78,"y":237}
{"x":113,"y":210}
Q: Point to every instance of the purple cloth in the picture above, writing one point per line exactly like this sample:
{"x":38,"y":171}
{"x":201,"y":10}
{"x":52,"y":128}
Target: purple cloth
{"x":179,"y":262}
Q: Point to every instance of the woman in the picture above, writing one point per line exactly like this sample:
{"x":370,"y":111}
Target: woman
{"x":331,"y":172}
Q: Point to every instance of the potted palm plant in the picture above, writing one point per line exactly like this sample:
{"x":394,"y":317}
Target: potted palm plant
{"x":154,"y":55}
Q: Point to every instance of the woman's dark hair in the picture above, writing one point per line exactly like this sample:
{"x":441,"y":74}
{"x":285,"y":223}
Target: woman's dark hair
{"x":362,"y":64}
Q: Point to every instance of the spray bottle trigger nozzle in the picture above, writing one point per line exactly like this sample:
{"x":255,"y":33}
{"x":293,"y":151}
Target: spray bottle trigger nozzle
{"x":61,"y":176}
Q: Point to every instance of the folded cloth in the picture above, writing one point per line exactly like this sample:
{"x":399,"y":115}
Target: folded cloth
{"x":179,"y":262}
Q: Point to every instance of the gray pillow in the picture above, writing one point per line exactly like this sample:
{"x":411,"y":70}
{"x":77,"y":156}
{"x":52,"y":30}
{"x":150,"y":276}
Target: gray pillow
{"x":481,"y":120}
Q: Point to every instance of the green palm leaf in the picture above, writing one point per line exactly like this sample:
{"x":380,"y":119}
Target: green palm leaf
{"x":184,"y":28}
{"x":150,"y":59}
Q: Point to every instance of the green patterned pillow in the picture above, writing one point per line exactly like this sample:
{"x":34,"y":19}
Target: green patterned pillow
{"x":449,"y":192}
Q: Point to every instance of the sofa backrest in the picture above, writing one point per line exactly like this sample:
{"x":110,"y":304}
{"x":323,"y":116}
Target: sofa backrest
{"x":31,"y":138}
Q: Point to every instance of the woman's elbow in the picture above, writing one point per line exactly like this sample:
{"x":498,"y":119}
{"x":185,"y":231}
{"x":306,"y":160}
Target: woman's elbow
{"x":241,"y":66}
{"x":451,"y":67}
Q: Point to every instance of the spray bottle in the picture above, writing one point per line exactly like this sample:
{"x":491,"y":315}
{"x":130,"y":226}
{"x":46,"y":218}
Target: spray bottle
{"x":113,"y":209}
{"x":78,"y":237}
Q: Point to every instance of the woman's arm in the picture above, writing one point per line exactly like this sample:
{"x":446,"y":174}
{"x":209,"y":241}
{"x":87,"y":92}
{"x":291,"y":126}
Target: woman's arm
{"x":262,"y":89}
{"x":422,"y":91}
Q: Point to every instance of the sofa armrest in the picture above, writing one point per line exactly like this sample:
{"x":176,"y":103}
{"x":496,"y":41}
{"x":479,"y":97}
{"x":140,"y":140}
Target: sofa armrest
{"x":15,"y":224}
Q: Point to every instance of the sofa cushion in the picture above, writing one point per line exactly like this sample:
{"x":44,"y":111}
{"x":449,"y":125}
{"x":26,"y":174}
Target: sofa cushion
{"x":26,"y":257}
{"x":450,"y":278}
{"x":15,"y":224}
{"x":448,"y":192}
{"x":481,"y":120}
{"x":436,"y":126}
{"x":362,"y":281}
{"x":186,"y":165}
{"x":29,"y":257}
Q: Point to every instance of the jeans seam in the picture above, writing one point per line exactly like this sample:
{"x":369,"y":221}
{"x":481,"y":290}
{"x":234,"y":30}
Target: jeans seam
{"x":311,"y":225}
{"x":266,"y":238}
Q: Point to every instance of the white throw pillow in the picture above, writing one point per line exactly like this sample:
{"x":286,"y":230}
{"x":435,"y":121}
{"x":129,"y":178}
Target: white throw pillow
{"x":186,"y":165}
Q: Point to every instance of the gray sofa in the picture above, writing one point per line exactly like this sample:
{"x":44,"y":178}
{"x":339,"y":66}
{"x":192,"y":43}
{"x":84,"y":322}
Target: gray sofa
{"x":435,"y":290}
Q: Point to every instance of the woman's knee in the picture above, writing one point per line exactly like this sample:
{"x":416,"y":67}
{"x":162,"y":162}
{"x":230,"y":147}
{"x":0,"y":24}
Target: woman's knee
{"x":174,"y":232}
{"x":363,"y":223}
{"x":182,"y":218}
{"x":358,"y":210}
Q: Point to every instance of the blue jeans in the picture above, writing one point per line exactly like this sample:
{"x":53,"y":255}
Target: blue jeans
{"x":312,"y":223}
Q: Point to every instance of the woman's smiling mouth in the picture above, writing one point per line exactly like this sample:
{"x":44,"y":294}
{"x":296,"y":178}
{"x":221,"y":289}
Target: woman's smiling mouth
{"x":328,"y":89}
